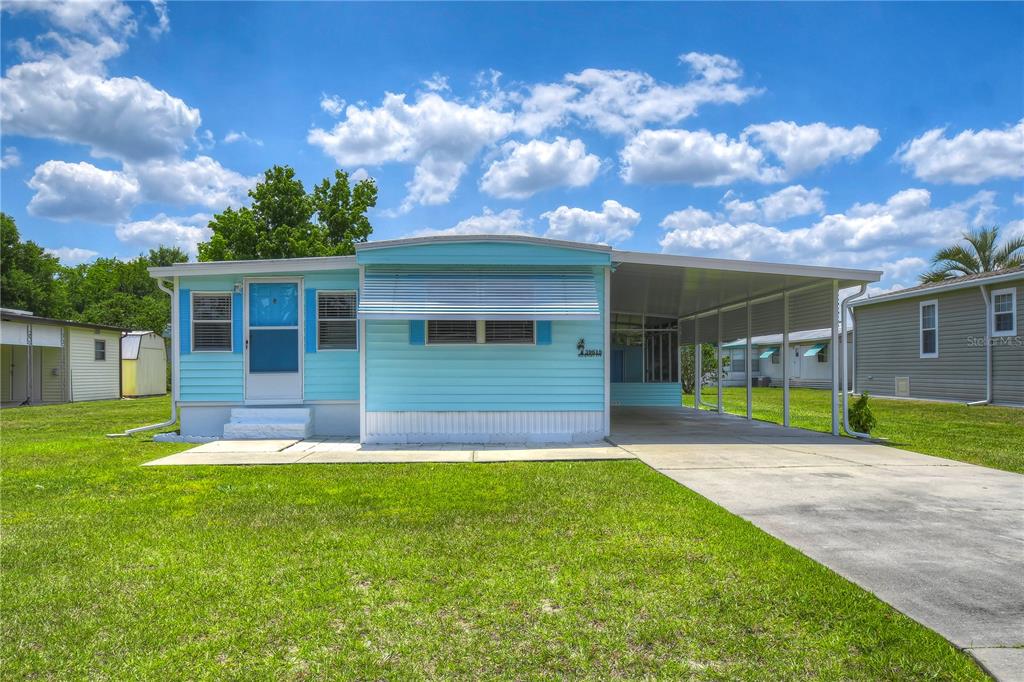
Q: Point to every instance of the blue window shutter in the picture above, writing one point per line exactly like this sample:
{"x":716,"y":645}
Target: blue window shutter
{"x":310,"y":320}
{"x":417,"y":332}
{"x":236,"y":322}
{"x":185,"y":320}
{"x":543,"y":332}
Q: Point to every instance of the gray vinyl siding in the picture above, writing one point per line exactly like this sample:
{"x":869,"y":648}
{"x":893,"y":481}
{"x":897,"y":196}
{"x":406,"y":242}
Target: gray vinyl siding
{"x":1008,"y":357}
{"x":93,"y":379}
{"x":888,"y":338}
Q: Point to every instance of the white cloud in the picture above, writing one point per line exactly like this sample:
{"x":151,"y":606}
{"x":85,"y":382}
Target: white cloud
{"x":332,"y":104}
{"x":793,"y":201}
{"x":358,"y":175}
{"x":163,"y":230}
{"x":163,"y":20}
{"x":509,"y":221}
{"x":440,"y":136}
{"x":621,"y":101}
{"x":614,"y":223}
{"x":81,"y":191}
{"x":970,"y":158}
{"x":804,"y":148}
{"x":94,"y":18}
{"x":199,"y":182}
{"x":243,"y":136}
{"x":536,"y":166}
{"x":70,"y":255}
{"x":10,"y":158}
{"x":1013,"y":230}
{"x":693,"y":157}
{"x":1018,"y":199}
{"x":69,"y":98}
{"x":437,"y":83}
{"x":864,"y":236}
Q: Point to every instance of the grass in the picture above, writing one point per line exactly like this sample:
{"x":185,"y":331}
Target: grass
{"x":990,"y":436}
{"x":448,"y":571}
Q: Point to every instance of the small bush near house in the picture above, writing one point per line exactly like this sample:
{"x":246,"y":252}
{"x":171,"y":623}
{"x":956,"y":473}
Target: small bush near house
{"x":861,"y":418}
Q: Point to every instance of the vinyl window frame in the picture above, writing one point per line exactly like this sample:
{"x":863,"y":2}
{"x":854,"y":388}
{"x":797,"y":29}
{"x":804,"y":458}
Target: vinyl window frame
{"x":481,"y":335}
{"x":193,"y":321}
{"x":319,"y":319}
{"x":1012,"y":331}
{"x":99,"y":350}
{"x":921,"y":329}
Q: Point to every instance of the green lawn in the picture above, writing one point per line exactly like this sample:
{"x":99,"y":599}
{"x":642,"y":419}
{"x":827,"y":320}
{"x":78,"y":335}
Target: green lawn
{"x":517,"y":571}
{"x":989,"y":436}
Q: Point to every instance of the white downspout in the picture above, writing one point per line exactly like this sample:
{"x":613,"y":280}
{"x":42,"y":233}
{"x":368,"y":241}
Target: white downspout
{"x":162,"y":284}
{"x":988,"y":349}
{"x":845,"y":343}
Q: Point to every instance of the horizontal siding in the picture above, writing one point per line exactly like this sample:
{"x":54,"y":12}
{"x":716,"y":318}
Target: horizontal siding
{"x":481,"y":253}
{"x":332,"y":375}
{"x":51,"y":379}
{"x":93,"y":379}
{"x":1008,"y":358}
{"x":888,"y":337}
{"x":483,"y":427}
{"x":663,"y":395}
{"x":212,"y":377}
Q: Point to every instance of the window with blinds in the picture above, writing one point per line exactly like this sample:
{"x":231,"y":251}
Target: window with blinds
{"x":451,"y":331}
{"x":211,"y":322}
{"x":336,"y":320}
{"x":509,"y":331}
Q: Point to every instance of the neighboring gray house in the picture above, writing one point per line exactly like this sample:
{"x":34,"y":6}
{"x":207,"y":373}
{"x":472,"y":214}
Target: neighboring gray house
{"x":809,"y":365}
{"x":961,"y":339}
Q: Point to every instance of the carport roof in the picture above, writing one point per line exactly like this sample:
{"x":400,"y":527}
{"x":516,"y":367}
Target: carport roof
{"x":679,"y":286}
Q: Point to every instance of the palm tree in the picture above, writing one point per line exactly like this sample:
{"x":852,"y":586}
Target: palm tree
{"x":979,"y":254}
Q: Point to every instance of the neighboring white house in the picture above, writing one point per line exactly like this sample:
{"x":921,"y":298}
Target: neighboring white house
{"x":143,"y":364}
{"x":44,"y":360}
{"x":809,"y":364}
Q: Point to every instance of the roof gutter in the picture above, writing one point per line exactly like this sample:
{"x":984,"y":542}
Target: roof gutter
{"x":845,"y":345}
{"x":162,"y":284}
{"x":897,"y":295}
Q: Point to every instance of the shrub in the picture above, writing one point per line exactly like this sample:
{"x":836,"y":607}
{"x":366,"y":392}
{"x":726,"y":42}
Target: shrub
{"x":861,"y":418}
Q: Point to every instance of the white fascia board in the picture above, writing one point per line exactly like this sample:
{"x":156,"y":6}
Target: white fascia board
{"x":941,"y":288}
{"x":699,"y":262}
{"x":256,"y":267}
{"x":506,"y":238}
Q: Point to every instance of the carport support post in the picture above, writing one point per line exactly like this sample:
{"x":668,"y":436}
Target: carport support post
{"x":785,"y":358}
{"x":696,"y":364}
{"x":833,"y":348}
{"x":718,"y":349}
{"x":749,"y":363}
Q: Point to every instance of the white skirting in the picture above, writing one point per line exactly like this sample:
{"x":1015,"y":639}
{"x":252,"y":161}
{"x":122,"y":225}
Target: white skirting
{"x":484,"y":427}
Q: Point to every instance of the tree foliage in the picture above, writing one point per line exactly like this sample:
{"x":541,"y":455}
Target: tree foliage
{"x":708,"y":363}
{"x":978,"y":253}
{"x":285,"y":221}
{"x":28,"y":275}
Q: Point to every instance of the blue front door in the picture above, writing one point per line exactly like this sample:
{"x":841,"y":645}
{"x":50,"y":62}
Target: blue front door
{"x":273,"y":360}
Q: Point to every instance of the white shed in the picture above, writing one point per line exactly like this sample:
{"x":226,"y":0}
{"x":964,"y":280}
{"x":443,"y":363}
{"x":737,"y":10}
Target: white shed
{"x":45,"y":360}
{"x":143,"y":364}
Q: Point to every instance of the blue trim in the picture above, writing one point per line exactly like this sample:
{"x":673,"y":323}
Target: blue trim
{"x":310,"y":320}
{"x":544,"y":332}
{"x":236,"y":322}
{"x":417,"y":332}
{"x":185,"y":320}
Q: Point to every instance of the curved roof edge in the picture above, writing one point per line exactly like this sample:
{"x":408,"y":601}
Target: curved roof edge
{"x":517,"y":238}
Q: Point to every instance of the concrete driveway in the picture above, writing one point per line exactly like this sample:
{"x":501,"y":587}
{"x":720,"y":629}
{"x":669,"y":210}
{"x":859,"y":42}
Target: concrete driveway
{"x":939,"y":540}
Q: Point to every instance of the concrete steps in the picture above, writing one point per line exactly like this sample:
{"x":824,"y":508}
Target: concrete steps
{"x":269,"y":423}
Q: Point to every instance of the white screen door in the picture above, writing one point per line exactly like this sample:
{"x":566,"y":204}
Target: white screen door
{"x":273,"y":345}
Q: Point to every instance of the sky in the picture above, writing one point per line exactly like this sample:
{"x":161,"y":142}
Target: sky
{"x":859,"y":135}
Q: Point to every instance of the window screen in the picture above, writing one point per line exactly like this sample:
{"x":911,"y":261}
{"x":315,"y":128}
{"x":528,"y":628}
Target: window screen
{"x":451,"y":331}
{"x":211,"y":322}
{"x":508,"y":331}
{"x":99,"y":349}
{"x":823,"y":354}
{"x":929,"y":329}
{"x":1002,"y":312}
{"x":336,"y":320}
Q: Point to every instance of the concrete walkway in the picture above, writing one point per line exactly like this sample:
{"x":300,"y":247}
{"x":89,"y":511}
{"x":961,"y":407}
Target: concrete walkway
{"x":348,"y":451}
{"x":939,"y":540}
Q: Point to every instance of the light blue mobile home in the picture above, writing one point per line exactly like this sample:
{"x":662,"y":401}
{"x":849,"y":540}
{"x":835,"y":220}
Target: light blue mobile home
{"x":446,"y":339}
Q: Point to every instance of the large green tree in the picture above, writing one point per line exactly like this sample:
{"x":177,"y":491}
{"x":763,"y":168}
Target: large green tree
{"x":285,"y":221}
{"x":28,"y":275}
{"x":978,"y":252}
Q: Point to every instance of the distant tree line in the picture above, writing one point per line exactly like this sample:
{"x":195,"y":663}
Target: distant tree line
{"x":283,"y":221}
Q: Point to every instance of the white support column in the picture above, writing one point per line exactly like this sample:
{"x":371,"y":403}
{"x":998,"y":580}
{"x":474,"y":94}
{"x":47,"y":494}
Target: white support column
{"x":718,"y":350}
{"x":785,"y":359}
{"x":607,"y":352}
{"x":697,"y":369}
{"x":362,"y":362}
{"x":833,"y":353}
{"x":748,"y":370}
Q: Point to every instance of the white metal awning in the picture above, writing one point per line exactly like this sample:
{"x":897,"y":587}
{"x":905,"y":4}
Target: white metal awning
{"x":404,"y":294}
